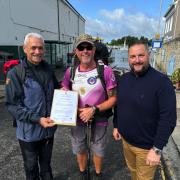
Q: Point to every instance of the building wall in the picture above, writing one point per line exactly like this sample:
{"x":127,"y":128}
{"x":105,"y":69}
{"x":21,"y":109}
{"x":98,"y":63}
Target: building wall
{"x":177,"y":23}
{"x":56,"y":20}
{"x":18,"y":17}
{"x":171,"y":47}
{"x":71,"y":22}
{"x":172,"y":25}
{"x":22,"y":16}
{"x":164,"y":55}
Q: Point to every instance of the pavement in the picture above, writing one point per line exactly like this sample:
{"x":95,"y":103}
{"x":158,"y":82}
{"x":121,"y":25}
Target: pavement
{"x":64,"y":163}
{"x":171,"y":153}
{"x":2,"y":93}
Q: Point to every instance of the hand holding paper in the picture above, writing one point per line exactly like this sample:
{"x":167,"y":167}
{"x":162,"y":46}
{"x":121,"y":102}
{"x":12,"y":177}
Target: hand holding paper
{"x":46,"y":122}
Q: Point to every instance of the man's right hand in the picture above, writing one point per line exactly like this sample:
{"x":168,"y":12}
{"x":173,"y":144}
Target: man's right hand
{"x":116,"y":134}
{"x":64,"y":89}
{"x":46,"y":122}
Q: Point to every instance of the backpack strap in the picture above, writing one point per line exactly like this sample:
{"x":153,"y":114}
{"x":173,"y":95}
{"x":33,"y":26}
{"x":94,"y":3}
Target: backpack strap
{"x":75,"y":63}
{"x":100,"y":71}
{"x":72,"y":74}
{"x":20,"y":72}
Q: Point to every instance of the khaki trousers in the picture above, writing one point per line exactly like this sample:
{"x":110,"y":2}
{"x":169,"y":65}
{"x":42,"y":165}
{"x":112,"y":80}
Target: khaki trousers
{"x":136,"y":162}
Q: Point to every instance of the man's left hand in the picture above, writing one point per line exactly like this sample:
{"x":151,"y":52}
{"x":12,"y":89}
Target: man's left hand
{"x":153,"y":159}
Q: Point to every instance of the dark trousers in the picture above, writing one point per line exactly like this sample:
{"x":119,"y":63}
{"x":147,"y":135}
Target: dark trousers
{"x":37,"y":159}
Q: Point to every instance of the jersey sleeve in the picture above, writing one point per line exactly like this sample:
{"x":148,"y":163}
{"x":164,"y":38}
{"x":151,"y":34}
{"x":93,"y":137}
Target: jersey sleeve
{"x":109,"y":78}
{"x":66,"y":80}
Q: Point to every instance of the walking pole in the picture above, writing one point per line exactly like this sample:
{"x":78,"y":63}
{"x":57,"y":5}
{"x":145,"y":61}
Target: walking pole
{"x":88,"y":134}
{"x":89,"y":149}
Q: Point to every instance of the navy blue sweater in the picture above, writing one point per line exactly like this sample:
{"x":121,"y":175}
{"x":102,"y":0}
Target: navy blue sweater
{"x":146,"y":109}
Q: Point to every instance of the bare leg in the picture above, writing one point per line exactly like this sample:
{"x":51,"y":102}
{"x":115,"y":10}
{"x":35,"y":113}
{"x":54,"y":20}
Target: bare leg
{"x":97,"y":163}
{"x":82,"y":161}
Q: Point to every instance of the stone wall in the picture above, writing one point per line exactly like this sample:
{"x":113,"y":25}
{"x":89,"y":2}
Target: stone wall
{"x":163,"y":56}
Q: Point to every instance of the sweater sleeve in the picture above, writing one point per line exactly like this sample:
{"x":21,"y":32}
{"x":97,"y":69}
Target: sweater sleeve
{"x":115,"y":117}
{"x":167,"y":113}
{"x":13,"y":96}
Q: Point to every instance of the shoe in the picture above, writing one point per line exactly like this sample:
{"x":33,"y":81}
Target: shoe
{"x":98,"y":176}
{"x":47,"y":176}
{"x":82,"y":175}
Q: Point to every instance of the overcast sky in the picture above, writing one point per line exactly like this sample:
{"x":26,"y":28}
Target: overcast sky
{"x":113,"y":19}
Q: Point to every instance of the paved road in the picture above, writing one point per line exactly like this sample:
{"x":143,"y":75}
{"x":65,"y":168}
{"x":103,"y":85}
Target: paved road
{"x":63,"y":161}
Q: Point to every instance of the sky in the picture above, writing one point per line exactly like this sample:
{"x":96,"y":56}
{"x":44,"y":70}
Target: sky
{"x":113,"y":19}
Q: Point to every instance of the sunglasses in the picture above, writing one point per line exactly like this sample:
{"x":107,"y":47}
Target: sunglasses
{"x":87,"y":47}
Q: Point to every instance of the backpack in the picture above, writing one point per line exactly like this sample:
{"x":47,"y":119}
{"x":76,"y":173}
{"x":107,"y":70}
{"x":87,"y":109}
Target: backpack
{"x":101,"y":52}
{"x":100,"y":70}
{"x":9,"y":65}
{"x":22,"y":68}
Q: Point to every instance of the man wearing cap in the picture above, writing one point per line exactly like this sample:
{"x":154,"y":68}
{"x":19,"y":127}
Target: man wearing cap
{"x":92,"y":100}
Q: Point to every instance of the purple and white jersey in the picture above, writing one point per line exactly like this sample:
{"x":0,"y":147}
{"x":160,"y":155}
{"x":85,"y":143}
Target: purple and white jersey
{"x":88,"y":85}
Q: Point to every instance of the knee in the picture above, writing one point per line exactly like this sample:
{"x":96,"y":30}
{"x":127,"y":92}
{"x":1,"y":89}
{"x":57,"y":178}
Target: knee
{"x":30,"y":164}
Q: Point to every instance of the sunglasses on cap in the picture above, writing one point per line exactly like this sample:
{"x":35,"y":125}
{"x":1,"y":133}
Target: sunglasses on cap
{"x":87,"y":47}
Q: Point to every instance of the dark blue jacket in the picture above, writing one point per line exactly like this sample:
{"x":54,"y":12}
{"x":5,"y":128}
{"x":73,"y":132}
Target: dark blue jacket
{"x":28,"y":100}
{"x":146,"y":109}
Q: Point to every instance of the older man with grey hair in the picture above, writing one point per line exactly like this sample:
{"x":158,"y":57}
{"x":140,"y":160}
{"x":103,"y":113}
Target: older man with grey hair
{"x":29,"y":92}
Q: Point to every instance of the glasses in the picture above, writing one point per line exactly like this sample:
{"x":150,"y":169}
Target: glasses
{"x":88,"y":47}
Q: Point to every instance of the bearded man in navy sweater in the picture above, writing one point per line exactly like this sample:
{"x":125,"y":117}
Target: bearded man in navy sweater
{"x":145,"y":115}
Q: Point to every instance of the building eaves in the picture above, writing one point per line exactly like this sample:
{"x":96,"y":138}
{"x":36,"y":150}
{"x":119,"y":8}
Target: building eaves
{"x":57,"y":42}
{"x":169,"y":10}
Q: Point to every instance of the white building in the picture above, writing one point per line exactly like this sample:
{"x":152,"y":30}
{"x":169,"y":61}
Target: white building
{"x":56,"y":20}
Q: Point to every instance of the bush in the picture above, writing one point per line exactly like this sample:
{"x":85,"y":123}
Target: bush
{"x":175,"y":77}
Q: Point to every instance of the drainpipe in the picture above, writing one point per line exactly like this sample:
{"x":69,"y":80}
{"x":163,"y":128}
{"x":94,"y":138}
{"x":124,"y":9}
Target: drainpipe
{"x":59,"y":32}
{"x":78,"y":25}
{"x":59,"y":35}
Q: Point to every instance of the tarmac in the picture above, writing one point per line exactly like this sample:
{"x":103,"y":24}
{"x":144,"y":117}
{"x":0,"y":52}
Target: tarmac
{"x":171,"y":153}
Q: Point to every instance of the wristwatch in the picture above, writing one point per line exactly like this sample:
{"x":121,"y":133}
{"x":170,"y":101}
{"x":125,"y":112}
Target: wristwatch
{"x":96,"y":109}
{"x":157,"y":151}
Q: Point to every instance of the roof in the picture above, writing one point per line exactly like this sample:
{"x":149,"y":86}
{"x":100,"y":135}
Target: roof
{"x":57,"y":42}
{"x":169,"y":10}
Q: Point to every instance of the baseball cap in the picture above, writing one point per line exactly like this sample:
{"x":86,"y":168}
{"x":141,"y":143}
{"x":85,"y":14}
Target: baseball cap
{"x":84,"y":38}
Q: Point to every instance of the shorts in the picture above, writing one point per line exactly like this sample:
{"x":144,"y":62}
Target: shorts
{"x":98,"y":139}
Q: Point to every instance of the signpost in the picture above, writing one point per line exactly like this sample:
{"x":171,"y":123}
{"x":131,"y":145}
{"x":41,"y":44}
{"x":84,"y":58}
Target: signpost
{"x":157,"y":42}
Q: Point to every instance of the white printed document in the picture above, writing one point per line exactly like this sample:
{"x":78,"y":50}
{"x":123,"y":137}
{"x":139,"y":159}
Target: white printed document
{"x":64,"y":107}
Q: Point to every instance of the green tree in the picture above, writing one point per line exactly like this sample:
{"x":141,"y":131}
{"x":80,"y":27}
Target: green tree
{"x":129,"y":40}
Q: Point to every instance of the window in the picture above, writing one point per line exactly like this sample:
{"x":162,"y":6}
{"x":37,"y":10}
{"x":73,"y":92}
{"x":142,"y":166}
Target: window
{"x":168,"y":25}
